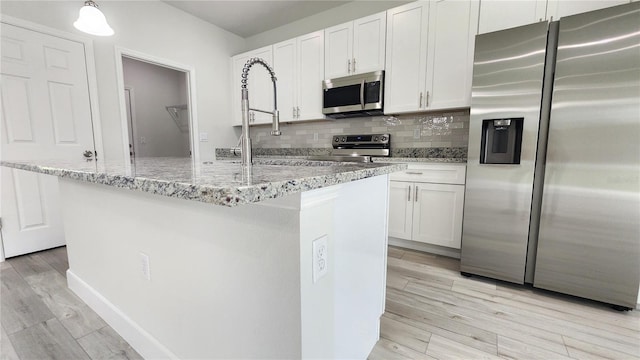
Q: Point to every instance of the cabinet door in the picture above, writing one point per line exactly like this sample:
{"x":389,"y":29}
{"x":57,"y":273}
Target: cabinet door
{"x":259,"y":85}
{"x":452,"y":29}
{"x":310,"y":76}
{"x":406,"y":57}
{"x":499,"y":15}
{"x":400,"y":208}
{"x":369,"y":38}
{"x":556,"y":9}
{"x":338,"y":49}
{"x":437,"y":214}
{"x":284,"y":64}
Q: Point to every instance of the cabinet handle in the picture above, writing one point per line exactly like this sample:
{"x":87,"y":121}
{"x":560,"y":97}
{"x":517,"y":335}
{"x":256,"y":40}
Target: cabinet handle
{"x":413,"y":172}
{"x":409,"y":194}
{"x":354,"y":65}
{"x":420,"y":105}
{"x":416,"y":196}
{"x":252,"y":117}
{"x":294,"y":112}
{"x":426,"y":103}
{"x":297,"y":112}
{"x":349,"y":66}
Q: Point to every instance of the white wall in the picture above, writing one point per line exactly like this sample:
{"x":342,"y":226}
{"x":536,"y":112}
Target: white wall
{"x":154,"y":88}
{"x":157,"y":29}
{"x":328,"y":18}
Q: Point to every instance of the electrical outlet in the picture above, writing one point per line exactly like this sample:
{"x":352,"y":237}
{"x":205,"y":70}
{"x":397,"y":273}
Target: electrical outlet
{"x":204,"y":137}
{"x":144,"y":266}
{"x":320,"y":258}
{"x":416,"y":133}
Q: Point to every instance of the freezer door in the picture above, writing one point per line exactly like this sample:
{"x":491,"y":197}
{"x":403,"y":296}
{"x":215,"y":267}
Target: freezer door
{"x":507,"y":84}
{"x":589,"y":240}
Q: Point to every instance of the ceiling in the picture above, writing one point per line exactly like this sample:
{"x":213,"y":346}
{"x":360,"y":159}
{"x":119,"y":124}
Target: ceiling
{"x":247,"y":18}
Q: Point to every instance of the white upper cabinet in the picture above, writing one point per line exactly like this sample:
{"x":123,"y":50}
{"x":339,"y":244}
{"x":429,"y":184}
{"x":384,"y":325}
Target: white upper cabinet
{"x":369,"y":38}
{"x":499,"y":15}
{"x":284,"y":65}
{"x":259,"y":85}
{"x":355,"y":47}
{"x":406,"y":57}
{"x":430,"y":55}
{"x":556,"y":9}
{"x":310,"y":76}
{"x":299,"y":67}
{"x":452,"y":30}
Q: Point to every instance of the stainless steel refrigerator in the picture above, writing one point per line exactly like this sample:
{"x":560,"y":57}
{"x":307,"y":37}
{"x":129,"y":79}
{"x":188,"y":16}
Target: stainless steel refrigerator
{"x":553,"y":174}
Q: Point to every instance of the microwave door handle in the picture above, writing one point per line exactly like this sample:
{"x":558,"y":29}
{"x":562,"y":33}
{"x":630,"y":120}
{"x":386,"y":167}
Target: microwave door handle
{"x":362,"y":94}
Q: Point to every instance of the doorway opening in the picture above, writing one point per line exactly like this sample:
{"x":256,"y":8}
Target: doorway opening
{"x":158,"y":119}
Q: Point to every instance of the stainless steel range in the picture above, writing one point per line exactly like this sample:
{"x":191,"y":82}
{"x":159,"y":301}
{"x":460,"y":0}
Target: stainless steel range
{"x":358,"y":148}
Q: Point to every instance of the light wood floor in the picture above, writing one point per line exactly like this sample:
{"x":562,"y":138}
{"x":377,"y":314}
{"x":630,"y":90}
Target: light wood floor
{"x":432,"y":313}
{"x":42,"y":319}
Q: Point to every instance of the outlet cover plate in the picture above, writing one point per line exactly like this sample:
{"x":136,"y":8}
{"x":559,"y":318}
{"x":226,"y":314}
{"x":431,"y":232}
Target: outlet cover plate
{"x":320,"y":258}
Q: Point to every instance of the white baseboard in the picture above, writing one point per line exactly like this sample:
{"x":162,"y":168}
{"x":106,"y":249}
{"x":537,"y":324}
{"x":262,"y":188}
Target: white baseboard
{"x":432,"y":249}
{"x":140,"y":340}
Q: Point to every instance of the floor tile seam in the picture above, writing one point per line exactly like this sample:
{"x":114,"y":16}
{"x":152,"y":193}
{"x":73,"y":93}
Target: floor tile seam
{"x":74,"y":339}
{"x":33,"y":255}
{"x":533,"y":313}
{"x":469,"y":324}
{"x":566,"y":352}
{"x":634,"y":356}
{"x":519,"y":297}
{"x":442,"y":331}
{"x":465,"y":324}
{"x":10,"y":342}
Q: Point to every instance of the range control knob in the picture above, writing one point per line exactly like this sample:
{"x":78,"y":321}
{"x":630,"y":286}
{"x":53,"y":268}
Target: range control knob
{"x":336,"y":139}
{"x":383,"y":138}
{"x":344,"y":139}
{"x":375,"y":138}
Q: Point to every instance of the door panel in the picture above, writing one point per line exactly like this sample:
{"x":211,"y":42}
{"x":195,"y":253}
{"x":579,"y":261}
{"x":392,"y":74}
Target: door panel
{"x":400,"y":209}
{"x":588,"y":244}
{"x":15,"y":106}
{"x":338,"y":50}
{"x":64,"y":123}
{"x":369,"y":37}
{"x":406,"y":52}
{"x":437,"y":214}
{"x":284,"y":64}
{"x":310,"y":75}
{"x":46,"y":115}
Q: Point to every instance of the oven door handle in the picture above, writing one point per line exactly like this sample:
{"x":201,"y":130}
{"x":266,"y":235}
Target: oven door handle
{"x":362,"y":94}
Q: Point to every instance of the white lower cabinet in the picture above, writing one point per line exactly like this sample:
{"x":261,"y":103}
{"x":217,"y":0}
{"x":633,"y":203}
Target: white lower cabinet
{"x":426,"y":203}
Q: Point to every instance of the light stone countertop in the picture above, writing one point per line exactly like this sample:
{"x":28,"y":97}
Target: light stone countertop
{"x":221,"y":182}
{"x":395,"y":160}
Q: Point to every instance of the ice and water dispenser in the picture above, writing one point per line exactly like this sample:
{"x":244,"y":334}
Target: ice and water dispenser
{"x":501,"y":141}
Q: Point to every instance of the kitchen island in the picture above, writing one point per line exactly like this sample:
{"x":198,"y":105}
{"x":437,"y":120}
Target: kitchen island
{"x":211,"y":261}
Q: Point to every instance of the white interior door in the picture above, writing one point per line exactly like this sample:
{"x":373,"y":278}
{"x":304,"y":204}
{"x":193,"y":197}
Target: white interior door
{"x":45,"y":115}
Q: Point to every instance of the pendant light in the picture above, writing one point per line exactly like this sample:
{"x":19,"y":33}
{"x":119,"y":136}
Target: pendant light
{"x":92,"y":21}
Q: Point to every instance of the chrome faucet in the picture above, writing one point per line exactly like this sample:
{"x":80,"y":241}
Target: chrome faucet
{"x":275,"y":131}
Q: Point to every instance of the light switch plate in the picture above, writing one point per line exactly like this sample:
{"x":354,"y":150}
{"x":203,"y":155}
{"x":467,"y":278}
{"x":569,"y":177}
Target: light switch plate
{"x":204,"y":136}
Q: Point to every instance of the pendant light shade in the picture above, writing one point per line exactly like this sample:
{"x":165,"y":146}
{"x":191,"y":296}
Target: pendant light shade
{"x":92,"y":21}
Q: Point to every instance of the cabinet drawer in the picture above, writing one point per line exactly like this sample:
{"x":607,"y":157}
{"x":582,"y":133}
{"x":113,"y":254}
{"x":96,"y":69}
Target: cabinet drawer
{"x":432,"y":173}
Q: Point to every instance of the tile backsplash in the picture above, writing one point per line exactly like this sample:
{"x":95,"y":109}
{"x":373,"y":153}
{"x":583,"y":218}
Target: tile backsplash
{"x":433,"y":130}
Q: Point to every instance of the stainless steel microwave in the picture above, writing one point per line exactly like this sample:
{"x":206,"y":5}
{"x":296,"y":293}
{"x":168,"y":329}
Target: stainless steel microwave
{"x":355,"y":95}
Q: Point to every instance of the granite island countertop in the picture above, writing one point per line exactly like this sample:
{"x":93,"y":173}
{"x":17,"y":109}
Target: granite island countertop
{"x":222,"y":182}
